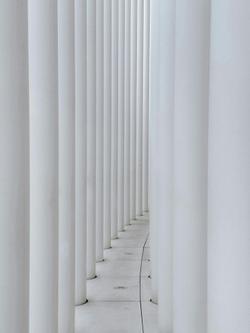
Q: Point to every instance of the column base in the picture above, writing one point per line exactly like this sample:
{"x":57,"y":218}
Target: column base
{"x":82,"y":303}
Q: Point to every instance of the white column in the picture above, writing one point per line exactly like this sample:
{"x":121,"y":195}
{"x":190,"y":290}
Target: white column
{"x":127,"y":113}
{"x":164,"y":177}
{"x":80,"y":150}
{"x":107,"y":123}
{"x":153,"y":153}
{"x":99,"y":129}
{"x":190,"y":173}
{"x":91,"y":138}
{"x":114,"y":145}
{"x":66,"y":92}
{"x":145,"y":163}
{"x":121,"y":115}
{"x":14,"y":167}
{"x":229,"y":169}
{"x":43,"y":72}
{"x":133,"y":99}
{"x":139,"y":107}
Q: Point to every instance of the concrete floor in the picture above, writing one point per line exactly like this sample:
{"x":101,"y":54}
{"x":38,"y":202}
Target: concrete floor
{"x":114,"y":296}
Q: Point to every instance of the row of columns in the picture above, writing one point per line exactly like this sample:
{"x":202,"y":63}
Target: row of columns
{"x":199,"y":165}
{"x":74,"y":149}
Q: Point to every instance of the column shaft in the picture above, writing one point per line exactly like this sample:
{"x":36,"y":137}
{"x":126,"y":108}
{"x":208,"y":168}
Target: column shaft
{"x":14,"y":167}
{"x":146,"y":48}
{"x":153,"y":174}
{"x":43,"y":71}
{"x":127,"y":131}
{"x":228,"y":169}
{"x":139,"y":107}
{"x":114,"y":144}
{"x":107,"y":122}
{"x":190,"y":150}
{"x":99,"y":130}
{"x":80,"y":150}
{"x":133,"y":99}
{"x":66,"y":92}
{"x":164,"y":178}
{"x":91,"y":138}
{"x":121,"y":115}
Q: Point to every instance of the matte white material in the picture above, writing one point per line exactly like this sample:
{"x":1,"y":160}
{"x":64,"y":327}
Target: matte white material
{"x":91,"y":138}
{"x":80,"y":150}
{"x":107,"y":123}
{"x":66,"y":93}
{"x":153,"y":153}
{"x":114,"y":144}
{"x":121,"y":115}
{"x":145,"y":164}
{"x":133,"y":99}
{"x":43,"y":71}
{"x":99,"y":129}
{"x":164,"y":178}
{"x":14,"y":167}
{"x":127,"y":113}
{"x":229,"y":165}
{"x":139,"y":107}
{"x":114,"y":304}
{"x":190,"y":171}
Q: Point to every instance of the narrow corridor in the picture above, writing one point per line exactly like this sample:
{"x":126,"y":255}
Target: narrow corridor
{"x":114,"y":295}
{"x":124,"y":166}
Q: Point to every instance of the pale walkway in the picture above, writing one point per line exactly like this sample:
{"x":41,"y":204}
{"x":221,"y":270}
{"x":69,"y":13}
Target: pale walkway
{"x":114,"y":296}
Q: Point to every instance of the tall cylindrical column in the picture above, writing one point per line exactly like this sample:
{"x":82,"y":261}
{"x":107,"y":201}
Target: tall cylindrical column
{"x":145,"y":164}
{"x":228,"y":169}
{"x":14,"y":167}
{"x":107,"y":123}
{"x":153,"y":153}
{"x":190,"y":174}
{"x":121,"y":115}
{"x":164,"y":177}
{"x":91,"y":138}
{"x":99,"y":129}
{"x":80,"y":150}
{"x":66,"y":93}
{"x":43,"y":71}
{"x":114,"y":144}
{"x":127,"y":112}
{"x":139,"y":107}
{"x":133,"y":99}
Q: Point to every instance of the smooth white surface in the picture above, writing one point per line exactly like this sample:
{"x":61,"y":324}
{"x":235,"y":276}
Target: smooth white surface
{"x":107,"y":123}
{"x":66,"y":93}
{"x":14,"y":167}
{"x":121,"y":115}
{"x":127,"y":113}
{"x":114,"y":117}
{"x":190,"y":165}
{"x":43,"y":82}
{"x":133,"y":98}
{"x":114,"y":295}
{"x":139,"y":107}
{"x":91,"y":138}
{"x":229,"y":165}
{"x":99,"y":128}
{"x":153,"y":170}
{"x":81,"y":150}
{"x":146,"y":59}
{"x":164,"y":178}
